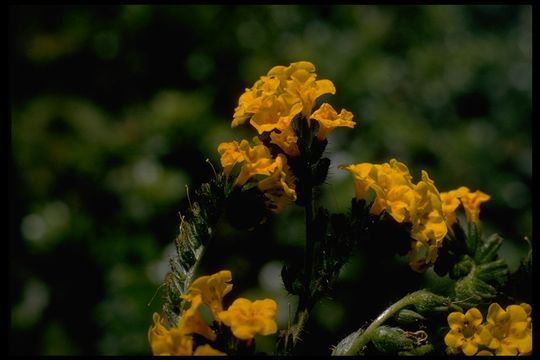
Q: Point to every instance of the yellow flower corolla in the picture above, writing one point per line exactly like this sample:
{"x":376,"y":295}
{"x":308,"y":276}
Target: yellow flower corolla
{"x":285,"y":92}
{"x":329,"y":119}
{"x":418,"y":204}
{"x":210,"y":289}
{"x":505,"y":332}
{"x":471,"y":203}
{"x":191,"y":321}
{"x":246,"y":318}
{"x":450,"y":202}
{"x":274,"y":176}
{"x":279,"y":186}
{"x":287,"y":140}
{"x":510,"y":329}
{"x":465,"y":332}
{"x":207,"y":350}
{"x":257,"y":159}
{"x":168,"y":342}
{"x":429,"y":224}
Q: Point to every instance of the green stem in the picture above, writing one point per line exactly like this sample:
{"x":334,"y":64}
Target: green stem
{"x":357,"y":344}
{"x":305,"y":301}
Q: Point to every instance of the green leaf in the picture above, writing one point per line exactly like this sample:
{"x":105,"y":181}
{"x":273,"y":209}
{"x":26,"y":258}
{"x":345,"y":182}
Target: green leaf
{"x":195,"y":232}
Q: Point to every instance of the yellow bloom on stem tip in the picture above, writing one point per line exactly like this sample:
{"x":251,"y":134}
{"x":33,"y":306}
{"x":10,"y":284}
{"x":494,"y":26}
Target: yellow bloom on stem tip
{"x":511,"y":330}
{"x":277,"y":98}
{"x":450,"y":202}
{"x":329,"y":119}
{"x":211,"y":289}
{"x":465,"y":332}
{"x":471,"y":203}
{"x":246,"y":318}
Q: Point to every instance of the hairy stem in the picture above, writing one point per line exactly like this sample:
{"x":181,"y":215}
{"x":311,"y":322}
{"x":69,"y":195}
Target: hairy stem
{"x":357,"y":344}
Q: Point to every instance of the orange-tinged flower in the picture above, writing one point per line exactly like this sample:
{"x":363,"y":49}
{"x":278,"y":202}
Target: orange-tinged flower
{"x":211,"y":289}
{"x":191,"y":321}
{"x":329,"y":119}
{"x":471,"y":203}
{"x":450,"y":202}
{"x":231,"y":154}
{"x":247,"y":318}
{"x":168,"y":342}
{"x":287,"y":140}
{"x":279,"y":187}
{"x":274,"y":113}
{"x":418,"y":204}
{"x":362,"y":177}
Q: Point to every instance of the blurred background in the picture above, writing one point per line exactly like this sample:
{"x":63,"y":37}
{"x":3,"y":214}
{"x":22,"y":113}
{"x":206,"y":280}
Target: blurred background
{"x":114,"y":110}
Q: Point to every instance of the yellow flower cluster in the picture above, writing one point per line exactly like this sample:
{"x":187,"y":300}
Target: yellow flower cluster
{"x":273,"y":174}
{"x":271,"y":105}
{"x":285,"y":92}
{"x":471,"y":203}
{"x":418,"y":204}
{"x":245,"y":318}
{"x":506,"y":332}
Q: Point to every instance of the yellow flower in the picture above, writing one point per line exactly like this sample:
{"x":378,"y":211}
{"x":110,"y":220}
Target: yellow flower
{"x":168,"y":342}
{"x":274,"y":113}
{"x":207,"y":350}
{"x":251,"y":100}
{"x":231,"y":154}
{"x":258,"y":159}
{"x":465,"y":330}
{"x":211,"y":289}
{"x":484,"y":353}
{"x":510,"y":330}
{"x":471,"y":202}
{"x":286,"y":139}
{"x":274,"y":176}
{"x":191,"y":321}
{"x":329,"y":119}
{"x":362,"y":177}
{"x":450,"y":202}
{"x":279,"y":187}
{"x":304,"y":86}
{"x":247,"y":318}
{"x":404,"y":201}
{"x":277,"y":98}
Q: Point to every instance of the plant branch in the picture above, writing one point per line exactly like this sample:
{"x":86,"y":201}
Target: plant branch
{"x":355,"y":345}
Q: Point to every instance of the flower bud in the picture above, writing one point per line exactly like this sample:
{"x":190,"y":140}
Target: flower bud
{"x":426,"y":302}
{"x":406,"y":316}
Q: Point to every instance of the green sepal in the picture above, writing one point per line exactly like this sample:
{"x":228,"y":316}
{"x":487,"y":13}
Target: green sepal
{"x":427,"y":303}
{"x":390,"y":340}
{"x":493,"y":272}
{"x":487,"y":251}
{"x":418,"y":351}
{"x":471,"y":291}
{"x":473,"y":238}
{"x":406,"y":317}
